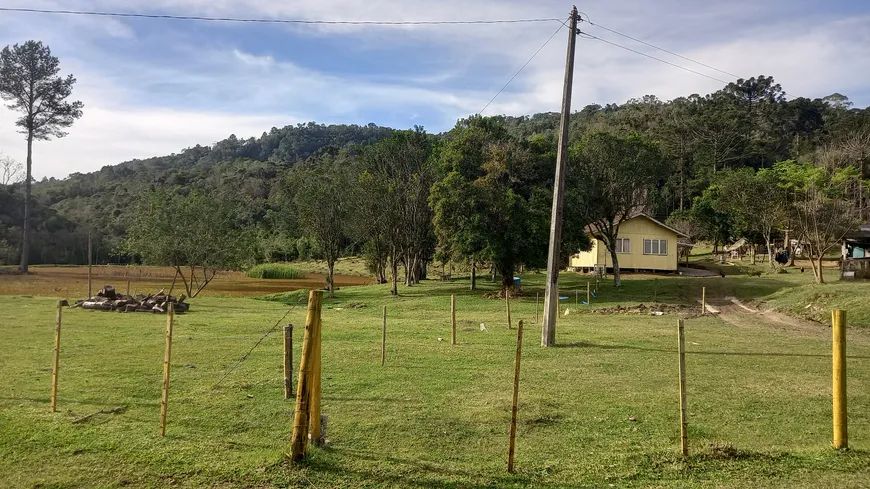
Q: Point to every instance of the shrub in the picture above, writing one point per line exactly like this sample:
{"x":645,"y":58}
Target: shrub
{"x":274,"y":271}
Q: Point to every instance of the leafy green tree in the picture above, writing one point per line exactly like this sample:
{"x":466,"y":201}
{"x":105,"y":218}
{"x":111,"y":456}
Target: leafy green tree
{"x":323,"y":210}
{"x":392,"y":215}
{"x":756,"y":202}
{"x":493,"y":202}
{"x":619,"y":177}
{"x":195,"y":234}
{"x":29,"y":81}
{"x":822,"y":206}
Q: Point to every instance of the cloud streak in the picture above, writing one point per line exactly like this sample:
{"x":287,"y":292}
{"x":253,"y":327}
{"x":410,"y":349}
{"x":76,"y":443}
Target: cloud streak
{"x":155,"y":87}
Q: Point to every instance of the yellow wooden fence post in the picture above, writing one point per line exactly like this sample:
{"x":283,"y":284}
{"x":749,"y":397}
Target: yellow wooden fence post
{"x":299,"y":439}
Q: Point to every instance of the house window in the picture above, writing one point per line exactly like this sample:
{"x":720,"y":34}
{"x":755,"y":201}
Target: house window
{"x":655,"y":247}
{"x":623,"y":245}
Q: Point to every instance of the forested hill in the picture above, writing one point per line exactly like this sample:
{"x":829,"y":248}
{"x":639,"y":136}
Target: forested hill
{"x":750,"y":123}
{"x":100,"y":201}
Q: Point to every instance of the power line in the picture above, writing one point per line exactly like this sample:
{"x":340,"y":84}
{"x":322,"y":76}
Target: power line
{"x":705,"y":65}
{"x":523,"y":66}
{"x":590,"y":36}
{"x":660,"y":48}
{"x":271,"y":21}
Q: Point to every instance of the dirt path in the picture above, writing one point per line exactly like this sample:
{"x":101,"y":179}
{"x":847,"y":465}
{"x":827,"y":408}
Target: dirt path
{"x":737,"y":313}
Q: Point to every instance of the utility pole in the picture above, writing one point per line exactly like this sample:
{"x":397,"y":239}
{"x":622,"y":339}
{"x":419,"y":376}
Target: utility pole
{"x":551,"y":295}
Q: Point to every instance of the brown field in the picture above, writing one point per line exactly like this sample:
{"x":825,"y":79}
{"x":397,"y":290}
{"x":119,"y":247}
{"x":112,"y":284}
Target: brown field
{"x":72,"y":282}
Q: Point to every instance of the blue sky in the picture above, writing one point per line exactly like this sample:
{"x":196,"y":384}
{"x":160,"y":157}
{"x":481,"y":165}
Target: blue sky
{"x":153,"y":87}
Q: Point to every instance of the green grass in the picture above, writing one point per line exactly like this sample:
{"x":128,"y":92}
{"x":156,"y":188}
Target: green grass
{"x":351,"y":265}
{"x":436,"y":416}
{"x":274,"y":271}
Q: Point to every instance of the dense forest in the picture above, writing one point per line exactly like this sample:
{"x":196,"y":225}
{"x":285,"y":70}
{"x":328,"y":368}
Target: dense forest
{"x":700,"y":141}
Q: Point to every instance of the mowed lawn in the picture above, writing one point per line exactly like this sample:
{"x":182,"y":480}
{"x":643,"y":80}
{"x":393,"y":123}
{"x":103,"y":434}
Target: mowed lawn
{"x":436,"y":416}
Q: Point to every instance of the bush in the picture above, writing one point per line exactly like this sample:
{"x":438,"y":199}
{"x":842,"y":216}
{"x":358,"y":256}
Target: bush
{"x":274,"y":271}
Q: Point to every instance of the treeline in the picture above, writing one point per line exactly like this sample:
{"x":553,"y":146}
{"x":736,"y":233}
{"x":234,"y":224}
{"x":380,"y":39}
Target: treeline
{"x":481,"y":192}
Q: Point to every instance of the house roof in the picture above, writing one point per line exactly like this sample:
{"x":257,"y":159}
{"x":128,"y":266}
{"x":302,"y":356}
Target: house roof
{"x":592,"y":228}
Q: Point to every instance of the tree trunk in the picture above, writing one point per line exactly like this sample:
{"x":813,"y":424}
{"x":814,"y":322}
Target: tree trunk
{"x":820,"y":277}
{"x":769,"y":252}
{"x":25,"y":241}
{"x":507,"y":279}
{"x":473,"y":275}
{"x":394,"y":275}
{"x":753,"y":251}
{"x":617,"y":279}
{"x":330,"y":277}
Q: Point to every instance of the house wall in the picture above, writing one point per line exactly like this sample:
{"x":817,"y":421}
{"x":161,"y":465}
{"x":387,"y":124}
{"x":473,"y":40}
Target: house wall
{"x":636,"y":230}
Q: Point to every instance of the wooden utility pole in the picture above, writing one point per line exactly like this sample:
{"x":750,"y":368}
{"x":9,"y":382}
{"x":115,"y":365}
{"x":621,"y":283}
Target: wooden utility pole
{"x":164,"y":400}
{"x":681,"y":344}
{"x":299,"y":440}
{"x":841,"y":438}
{"x":55,"y":365}
{"x":513,"y":431}
{"x":90,"y":265}
{"x":551,"y":294}
{"x":288,"y":361}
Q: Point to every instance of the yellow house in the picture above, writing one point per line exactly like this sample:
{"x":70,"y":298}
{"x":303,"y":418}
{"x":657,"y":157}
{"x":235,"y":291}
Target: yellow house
{"x":643,"y":244}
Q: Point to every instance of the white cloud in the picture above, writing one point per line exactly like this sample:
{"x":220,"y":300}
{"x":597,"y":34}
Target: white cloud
{"x":107,"y":136}
{"x":157,"y":96}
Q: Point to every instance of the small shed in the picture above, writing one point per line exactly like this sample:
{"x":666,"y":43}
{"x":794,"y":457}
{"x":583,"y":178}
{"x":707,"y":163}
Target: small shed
{"x":855,"y":262}
{"x":644,"y":243}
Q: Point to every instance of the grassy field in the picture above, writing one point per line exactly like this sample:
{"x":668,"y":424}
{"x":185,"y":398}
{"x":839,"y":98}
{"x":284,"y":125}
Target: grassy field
{"x":436,"y":416}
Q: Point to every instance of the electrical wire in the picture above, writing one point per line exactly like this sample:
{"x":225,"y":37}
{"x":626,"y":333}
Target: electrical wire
{"x":523,"y":66}
{"x":590,"y":36}
{"x":661,"y":49}
{"x":271,"y":21}
{"x":672,"y":53}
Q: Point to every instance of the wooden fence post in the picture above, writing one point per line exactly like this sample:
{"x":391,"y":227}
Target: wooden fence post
{"x":288,"y":361}
{"x":315,"y":433}
{"x":513,"y":430}
{"x":588,"y":293}
{"x":90,"y":265}
{"x":55,"y":365}
{"x":684,"y":439}
{"x":384,"y":339}
{"x":170,"y":320}
{"x":299,"y":440}
{"x":507,"y":303}
{"x":841,"y":438}
{"x":452,"y":319}
{"x":703,"y":300}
